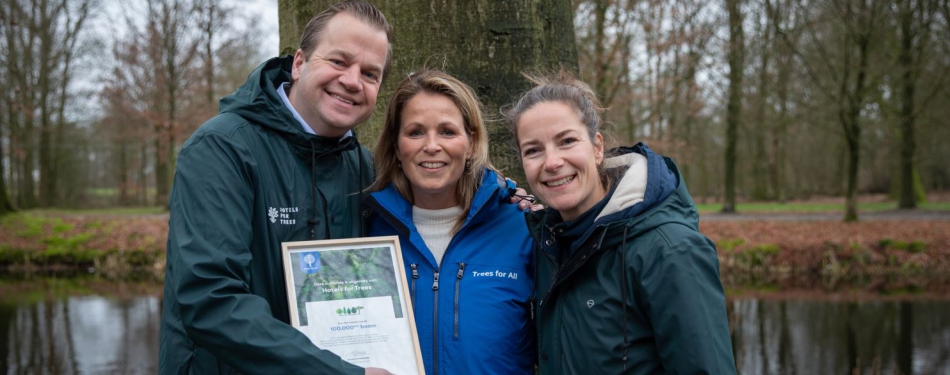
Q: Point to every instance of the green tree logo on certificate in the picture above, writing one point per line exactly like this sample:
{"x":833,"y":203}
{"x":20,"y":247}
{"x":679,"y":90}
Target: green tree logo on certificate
{"x":349,"y":310}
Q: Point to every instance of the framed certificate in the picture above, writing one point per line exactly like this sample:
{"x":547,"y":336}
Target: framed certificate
{"x":350,"y":297}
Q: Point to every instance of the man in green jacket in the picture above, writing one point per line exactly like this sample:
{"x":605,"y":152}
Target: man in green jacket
{"x":278,"y":163}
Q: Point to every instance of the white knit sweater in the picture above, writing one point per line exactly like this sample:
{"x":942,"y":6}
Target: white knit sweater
{"x":435,"y":227}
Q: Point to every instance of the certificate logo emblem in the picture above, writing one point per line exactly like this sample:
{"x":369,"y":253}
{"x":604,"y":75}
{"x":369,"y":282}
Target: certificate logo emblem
{"x":310,"y":262}
{"x":344,"y":311}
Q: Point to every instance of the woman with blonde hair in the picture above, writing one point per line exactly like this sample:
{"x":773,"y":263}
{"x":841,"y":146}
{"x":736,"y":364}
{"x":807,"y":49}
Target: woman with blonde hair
{"x":466,"y":249}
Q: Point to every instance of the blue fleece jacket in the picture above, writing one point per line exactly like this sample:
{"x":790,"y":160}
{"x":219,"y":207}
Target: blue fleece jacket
{"x":473,"y":314}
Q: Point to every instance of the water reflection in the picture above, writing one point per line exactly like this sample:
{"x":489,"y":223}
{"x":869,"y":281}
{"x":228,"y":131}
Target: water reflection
{"x":77,"y":330}
{"x":82,"y":326}
{"x":834,"y":337}
{"x":85,"y":335}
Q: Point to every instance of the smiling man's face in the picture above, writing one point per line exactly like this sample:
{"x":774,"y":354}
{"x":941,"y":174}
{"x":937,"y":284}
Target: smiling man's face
{"x":335,"y":87}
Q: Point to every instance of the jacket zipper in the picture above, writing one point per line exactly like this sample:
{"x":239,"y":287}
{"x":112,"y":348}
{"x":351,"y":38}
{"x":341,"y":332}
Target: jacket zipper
{"x":458,"y":282}
{"x":435,"y":323}
{"x":573,"y":259}
{"x":415,"y":275}
{"x":557,"y":271}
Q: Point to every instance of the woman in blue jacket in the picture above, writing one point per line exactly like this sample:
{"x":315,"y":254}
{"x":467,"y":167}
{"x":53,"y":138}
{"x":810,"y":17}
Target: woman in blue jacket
{"x":466,"y":249}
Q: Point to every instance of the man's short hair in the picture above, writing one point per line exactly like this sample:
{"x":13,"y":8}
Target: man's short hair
{"x":361,"y":10}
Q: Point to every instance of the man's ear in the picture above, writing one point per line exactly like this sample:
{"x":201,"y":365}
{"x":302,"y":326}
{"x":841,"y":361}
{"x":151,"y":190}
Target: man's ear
{"x":299,"y":59}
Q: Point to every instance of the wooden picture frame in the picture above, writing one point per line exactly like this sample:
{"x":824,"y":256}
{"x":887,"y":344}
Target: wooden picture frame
{"x":350,"y":296}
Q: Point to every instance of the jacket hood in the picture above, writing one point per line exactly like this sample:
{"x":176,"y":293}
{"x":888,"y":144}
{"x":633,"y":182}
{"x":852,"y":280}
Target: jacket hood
{"x":643,"y":180}
{"x":647,"y":192}
{"x":641,"y":290}
{"x":257,"y":102}
{"x":493,"y":187}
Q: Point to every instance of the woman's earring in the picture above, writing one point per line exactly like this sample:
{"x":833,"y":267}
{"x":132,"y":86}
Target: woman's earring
{"x":468,"y":164}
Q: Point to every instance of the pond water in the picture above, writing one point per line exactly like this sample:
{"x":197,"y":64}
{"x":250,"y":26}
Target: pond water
{"x":834,"y":337}
{"x":91,"y":326}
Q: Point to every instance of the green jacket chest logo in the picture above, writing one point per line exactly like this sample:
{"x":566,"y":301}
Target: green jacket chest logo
{"x":282,"y":215}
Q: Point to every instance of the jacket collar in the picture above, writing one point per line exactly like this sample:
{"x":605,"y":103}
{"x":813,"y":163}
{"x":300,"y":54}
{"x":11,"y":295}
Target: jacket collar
{"x":641,"y":179}
{"x":259,"y":102}
{"x":398,"y":210}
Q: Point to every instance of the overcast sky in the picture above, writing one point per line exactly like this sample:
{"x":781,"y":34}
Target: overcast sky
{"x":266,"y":12}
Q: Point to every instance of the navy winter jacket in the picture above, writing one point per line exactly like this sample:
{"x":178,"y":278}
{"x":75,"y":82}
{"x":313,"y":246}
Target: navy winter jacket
{"x":635,"y":288}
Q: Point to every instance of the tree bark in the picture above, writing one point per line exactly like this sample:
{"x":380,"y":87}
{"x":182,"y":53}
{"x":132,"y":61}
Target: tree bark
{"x":734,"y":106}
{"x":485,"y":43}
{"x":7,"y":119}
{"x":908,"y":142}
{"x":44,"y":32}
{"x":914,"y":19}
{"x":761,"y":189}
{"x":6,"y":206}
{"x":779,"y":132}
{"x":177,"y":50}
{"x":855,"y":95}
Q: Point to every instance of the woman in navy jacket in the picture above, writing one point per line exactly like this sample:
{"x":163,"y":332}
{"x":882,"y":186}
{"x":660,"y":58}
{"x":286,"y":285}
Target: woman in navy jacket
{"x":466,"y":249}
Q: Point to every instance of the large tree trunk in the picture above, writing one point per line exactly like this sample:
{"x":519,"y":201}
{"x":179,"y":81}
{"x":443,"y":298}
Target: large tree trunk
{"x":177,"y":50}
{"x":6,"y":206}
{"x":855,"y":96}
{"x":914,"y":19}
{"x":44,"y":34}
{"x":122,"y":173}
{"x":143,"y":176}
{"x":485,"y":43}
{"x":908,"y":142}
{"x":734,"y":106}
{"x":779,"y":132}
{"x":7,"y":119}
{"x":161,"y":164}
{"x":26,"y":191}
{"x":761,"y":189}
{"x":63,"y":188}
{"x":777,"y":159}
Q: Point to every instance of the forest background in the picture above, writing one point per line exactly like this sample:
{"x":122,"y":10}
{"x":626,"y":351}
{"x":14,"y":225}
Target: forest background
{"x":764,"y":104}
{"x":757,"y":100}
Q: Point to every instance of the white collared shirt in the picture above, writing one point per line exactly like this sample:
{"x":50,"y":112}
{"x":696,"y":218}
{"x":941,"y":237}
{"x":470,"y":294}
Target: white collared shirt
{"x":282,"y":92}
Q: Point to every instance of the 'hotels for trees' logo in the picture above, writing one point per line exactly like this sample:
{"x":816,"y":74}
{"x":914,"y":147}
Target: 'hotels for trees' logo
{"x":344,"y":311}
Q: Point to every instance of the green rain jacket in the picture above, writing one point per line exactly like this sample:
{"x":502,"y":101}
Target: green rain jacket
{"x":639,"y":291}
{"x":247,"y":180}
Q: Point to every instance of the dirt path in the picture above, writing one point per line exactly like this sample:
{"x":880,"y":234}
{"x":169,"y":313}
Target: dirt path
{"x":893,"y":215}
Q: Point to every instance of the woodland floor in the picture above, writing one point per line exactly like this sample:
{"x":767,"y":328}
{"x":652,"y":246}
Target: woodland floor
{"x":752,"y":247}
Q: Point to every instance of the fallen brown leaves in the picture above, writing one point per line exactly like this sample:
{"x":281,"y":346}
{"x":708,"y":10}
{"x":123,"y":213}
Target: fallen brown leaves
{"x":808,"y":245}
{"x":120,"y":233}
{"x":797,"y":246}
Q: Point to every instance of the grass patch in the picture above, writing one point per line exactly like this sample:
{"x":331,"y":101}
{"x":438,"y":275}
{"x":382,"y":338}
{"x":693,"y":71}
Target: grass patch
{"x":730,"y":244}
{"x":913,"y":247}
{"x":804,"y":207}
{"x":38,"y":239}
{"x":757,"y":256}
{"x":27,"y":225}
{"x":152,"y":210}
{"x":68,"y":250}
{"x":937,"y":206}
